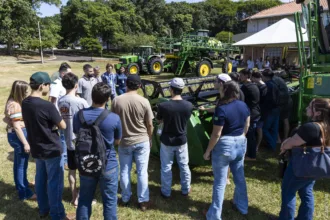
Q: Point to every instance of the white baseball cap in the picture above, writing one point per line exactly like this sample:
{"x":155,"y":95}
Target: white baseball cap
{"x":177,"y":83}
{"x":224,"y":77}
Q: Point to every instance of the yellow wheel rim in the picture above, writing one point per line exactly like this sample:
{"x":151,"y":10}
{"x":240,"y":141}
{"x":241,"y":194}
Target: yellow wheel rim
{"x":133,"y":70}
{"x":157,"y":67}
{"x":204,"y":70}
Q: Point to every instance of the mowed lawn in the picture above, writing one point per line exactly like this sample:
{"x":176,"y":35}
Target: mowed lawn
{"x":262,"y":181}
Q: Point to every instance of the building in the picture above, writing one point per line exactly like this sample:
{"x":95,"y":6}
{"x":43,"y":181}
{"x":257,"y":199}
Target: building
{"x":268,"y":17}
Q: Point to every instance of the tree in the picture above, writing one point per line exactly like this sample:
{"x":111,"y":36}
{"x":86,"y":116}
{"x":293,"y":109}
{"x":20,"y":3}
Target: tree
{"x":178,"y":16}
{"x":248,"y":8}
{"x":91,"y":45}
{"x":224,"y":36}
{"x":18,"y":20}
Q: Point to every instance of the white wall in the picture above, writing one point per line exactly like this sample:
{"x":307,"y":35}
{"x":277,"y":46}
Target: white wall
{"x":256,"y":25}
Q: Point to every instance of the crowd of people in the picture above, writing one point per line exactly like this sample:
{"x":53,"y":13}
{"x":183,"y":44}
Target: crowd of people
{"x":250,"y":108}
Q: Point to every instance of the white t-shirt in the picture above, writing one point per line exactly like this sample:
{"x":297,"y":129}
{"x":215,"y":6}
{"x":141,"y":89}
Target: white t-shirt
{"x":57,"y":90}
{"x":267,"y":64}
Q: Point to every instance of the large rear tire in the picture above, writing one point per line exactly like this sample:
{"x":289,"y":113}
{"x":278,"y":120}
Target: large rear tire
{"x":155,"y":66}
{"x":203,"y":68}
{"x":133,"y":68}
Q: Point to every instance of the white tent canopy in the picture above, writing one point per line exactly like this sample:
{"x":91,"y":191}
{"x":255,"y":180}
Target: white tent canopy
{"x":282,"y":32}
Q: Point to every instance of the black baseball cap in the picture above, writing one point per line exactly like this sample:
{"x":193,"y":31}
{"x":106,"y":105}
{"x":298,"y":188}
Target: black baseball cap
{"x":134,"y":78}
{"x":40,"y":78}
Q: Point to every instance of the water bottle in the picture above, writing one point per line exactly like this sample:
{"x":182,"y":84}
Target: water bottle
{"x":160,"y":129}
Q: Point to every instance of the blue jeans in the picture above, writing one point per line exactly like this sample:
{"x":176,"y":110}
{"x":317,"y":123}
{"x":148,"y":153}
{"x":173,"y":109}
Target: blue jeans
{"x":49,"y":187}
{"x":121,"y":91}
{"x":64,"y":148}
{"x":270,"y":128}
{"x":21,"y":160}
{"x":141,"y":153}
{"x":166,"y":156}
{"x":290,"y":185}
{"x":252,"y":141}
{"x":108,"y":187}
{"x":229,"y":151}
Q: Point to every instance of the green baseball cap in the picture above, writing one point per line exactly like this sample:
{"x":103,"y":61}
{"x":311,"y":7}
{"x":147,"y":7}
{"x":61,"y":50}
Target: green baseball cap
{"x":40,"y":78}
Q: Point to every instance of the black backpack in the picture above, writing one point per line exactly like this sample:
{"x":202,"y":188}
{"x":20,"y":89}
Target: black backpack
{"x":90,"y":150}
{"x":282,"y":93}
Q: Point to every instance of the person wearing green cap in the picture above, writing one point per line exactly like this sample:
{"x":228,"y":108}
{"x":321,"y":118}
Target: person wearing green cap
{"x":42,"y":121}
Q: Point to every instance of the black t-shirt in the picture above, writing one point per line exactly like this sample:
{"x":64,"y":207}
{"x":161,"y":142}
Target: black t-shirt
{"x":252,"y":99}
{"x":175,"y":114}
{"x":41,"y":118}
{"x":310,"y":133}
{"x":263,"y":95}
{"x":241,"y":95}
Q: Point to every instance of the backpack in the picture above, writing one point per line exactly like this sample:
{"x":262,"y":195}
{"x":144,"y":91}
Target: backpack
{"x":281,"y":94}
{"x":90,"y":153}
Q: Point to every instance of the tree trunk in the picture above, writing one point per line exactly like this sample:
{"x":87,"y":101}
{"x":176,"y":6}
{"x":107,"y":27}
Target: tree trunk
{"x":9,"y":48}
{"x":108,"y":46}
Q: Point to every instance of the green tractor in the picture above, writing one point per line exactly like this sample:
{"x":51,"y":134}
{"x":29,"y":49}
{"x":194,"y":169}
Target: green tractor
{"x":143,"y":59}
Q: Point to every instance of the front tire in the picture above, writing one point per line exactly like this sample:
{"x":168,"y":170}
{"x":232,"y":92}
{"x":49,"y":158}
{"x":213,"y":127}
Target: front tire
{"x":133,"y":68}
{"x":203,"y":68}
{"x":155,"y":66}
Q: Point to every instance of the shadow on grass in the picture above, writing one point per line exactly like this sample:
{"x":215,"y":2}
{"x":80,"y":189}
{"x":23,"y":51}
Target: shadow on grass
{"x":12,"y":207}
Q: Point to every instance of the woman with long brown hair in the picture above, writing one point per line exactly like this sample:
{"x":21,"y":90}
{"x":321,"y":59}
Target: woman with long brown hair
{"x":309,"y":134}
{"x":228,"y":146}
{"x":16,"y":134}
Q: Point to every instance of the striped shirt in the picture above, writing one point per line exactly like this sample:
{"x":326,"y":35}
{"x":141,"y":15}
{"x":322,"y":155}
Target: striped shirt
{"x":111,"y":80}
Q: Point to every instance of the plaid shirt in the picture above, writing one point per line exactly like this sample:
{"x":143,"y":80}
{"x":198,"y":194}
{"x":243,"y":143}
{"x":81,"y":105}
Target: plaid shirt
{"x":111,"y":80}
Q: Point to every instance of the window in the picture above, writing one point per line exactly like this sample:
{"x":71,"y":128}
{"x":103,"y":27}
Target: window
{"x":273,"y":52}
{"x":273,"y":20}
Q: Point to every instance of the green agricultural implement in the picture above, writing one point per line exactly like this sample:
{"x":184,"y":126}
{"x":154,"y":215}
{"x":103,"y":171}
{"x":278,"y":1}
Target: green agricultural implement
{"x":198,"y":91}
{"x":193,"y":53}
{"x":314,"y":77}
{"x":143,"y":59}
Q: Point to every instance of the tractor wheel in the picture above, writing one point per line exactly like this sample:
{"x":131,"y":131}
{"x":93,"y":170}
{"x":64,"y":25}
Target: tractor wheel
{"x":203,"y":68}
{"x":133,"y":68}
{"x":155,"y":66}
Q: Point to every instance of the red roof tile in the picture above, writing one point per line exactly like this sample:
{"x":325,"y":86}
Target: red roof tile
{"x":284,"y":9}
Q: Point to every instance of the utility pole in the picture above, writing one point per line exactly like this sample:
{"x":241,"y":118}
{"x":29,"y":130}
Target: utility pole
{"x":42,"y":56}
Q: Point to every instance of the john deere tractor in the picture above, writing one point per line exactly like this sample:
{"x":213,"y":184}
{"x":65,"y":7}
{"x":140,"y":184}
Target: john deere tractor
{"x":143,"y":59}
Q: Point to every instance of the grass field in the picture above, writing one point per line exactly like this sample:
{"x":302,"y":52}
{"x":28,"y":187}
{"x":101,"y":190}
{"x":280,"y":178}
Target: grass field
{"x":262,"y":181}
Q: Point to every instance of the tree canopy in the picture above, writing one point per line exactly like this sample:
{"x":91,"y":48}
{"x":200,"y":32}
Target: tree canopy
{"x":121,"y":23}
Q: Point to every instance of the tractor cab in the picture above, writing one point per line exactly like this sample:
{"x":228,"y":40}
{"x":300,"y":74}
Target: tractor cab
{"x":143,"y":51}
{"x":203,"y":33}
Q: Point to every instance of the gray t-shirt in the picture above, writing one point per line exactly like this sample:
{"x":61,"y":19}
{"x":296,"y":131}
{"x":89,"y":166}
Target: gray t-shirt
{"x":69,"y":105}
{"x":85,"y":86}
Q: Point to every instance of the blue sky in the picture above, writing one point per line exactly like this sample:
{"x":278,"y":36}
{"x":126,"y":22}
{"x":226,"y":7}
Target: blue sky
{"x":47,"y":10}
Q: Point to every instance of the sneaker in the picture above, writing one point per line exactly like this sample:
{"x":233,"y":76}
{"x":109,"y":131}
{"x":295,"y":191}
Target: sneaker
{"x":42,"y":216}
{"x":71,"y":216}
{"x":33,"y":197}
{"x":143,"y":206}
{"x":164,"y":197}
{"x":187,"y":193}
{"x":94,"y":202}
{"x":124,"y":204}
{"x":228,"y":182}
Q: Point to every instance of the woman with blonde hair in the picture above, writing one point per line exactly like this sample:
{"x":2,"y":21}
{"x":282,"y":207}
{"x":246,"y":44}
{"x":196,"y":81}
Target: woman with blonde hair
{"x":16,"y":134}
{"x":309,"y":134}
